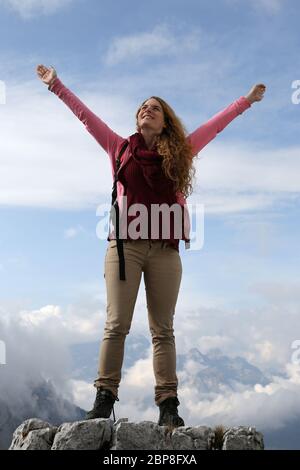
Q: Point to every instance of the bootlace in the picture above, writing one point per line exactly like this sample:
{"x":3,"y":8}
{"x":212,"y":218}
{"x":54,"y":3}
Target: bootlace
{"x":117,"y":399}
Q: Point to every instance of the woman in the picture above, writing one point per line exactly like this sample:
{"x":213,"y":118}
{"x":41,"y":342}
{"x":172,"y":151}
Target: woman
{"x":156,"y":168}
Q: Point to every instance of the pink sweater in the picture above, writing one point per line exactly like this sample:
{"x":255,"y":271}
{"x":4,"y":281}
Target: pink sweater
{"x":111,"y":142}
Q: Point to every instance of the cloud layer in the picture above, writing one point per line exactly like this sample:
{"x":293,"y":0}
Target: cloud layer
{"x":37,"y":343}
{"x":159,"y":42}
{"x":28,"y":9}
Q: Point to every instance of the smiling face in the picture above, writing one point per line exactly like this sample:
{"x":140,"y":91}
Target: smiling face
{"x":151,"y":116}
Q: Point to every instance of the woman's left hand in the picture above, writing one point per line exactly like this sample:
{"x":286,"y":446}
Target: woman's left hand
{"x":256,"y":93}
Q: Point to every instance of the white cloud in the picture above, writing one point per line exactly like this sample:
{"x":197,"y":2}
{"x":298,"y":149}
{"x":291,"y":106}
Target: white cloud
{"x":270,"y":7}
{"x":33,"y":336}
{"x":32,"y":353}
{"x":266,"y":407}
{"x":37,"y":346}
{"x":140,"y":375}
{"x":158,"y":42}
{"x":262,"y":332}
{"x":30,"y":8}
{"x":73,"y":232}
{"x":41,"y":168}
{"x":83,"y":393}
{"x":266,"y":350}
{"x":281,"y":293}
{"x":234,"y":177}
{"x":40,"y":316}
{"x":207,"y":343}
{"x":82,"y":321}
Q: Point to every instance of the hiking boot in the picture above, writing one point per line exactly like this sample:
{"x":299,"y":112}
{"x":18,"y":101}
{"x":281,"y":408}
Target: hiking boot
{"x":104,"y":404}
{"x":168,"y":414}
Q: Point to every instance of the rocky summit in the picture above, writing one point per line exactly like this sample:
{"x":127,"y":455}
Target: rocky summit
{"x":103,"y":434}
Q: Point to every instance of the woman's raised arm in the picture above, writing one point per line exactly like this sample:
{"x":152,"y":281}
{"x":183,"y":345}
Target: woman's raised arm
{"x":208,"y":131}
{"x":105,"y":136}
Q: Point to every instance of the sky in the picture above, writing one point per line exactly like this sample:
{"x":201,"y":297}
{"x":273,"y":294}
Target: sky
{"x":240,"y":291}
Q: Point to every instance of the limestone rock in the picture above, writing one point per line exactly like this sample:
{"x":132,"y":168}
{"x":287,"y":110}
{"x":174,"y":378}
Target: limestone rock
{"x":103,"y":434}
{"x":198,"y":438}
{"x":147,"y":435}
{"x":242,"y":438}
{"x":150,"y":436}
{"x":92,"y":434}
{"x":33,"y":434}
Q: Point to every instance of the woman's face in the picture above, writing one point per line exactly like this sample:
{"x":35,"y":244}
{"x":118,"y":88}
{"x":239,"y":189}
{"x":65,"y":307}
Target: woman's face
{"x":151,"y":116}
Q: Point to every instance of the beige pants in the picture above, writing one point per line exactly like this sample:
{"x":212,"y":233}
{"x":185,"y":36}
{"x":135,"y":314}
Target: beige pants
{"x":162,"y":268}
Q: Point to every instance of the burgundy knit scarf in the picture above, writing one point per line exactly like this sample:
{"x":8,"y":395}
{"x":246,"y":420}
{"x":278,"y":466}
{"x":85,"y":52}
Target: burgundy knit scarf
{"x":150,"y":162}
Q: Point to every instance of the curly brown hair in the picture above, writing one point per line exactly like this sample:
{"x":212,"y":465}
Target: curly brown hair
{"x":175,"y":149}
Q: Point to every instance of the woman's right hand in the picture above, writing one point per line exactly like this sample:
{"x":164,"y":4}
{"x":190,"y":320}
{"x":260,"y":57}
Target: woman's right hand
{"x":47,"y":75}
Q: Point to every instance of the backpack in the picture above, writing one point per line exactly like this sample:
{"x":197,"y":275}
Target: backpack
{"x":115,"y":208}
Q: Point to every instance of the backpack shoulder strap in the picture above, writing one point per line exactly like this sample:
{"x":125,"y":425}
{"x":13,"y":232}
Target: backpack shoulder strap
{"x":114,"y":204}
{"x":118,"y":160}
{"x":118,"y":163}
